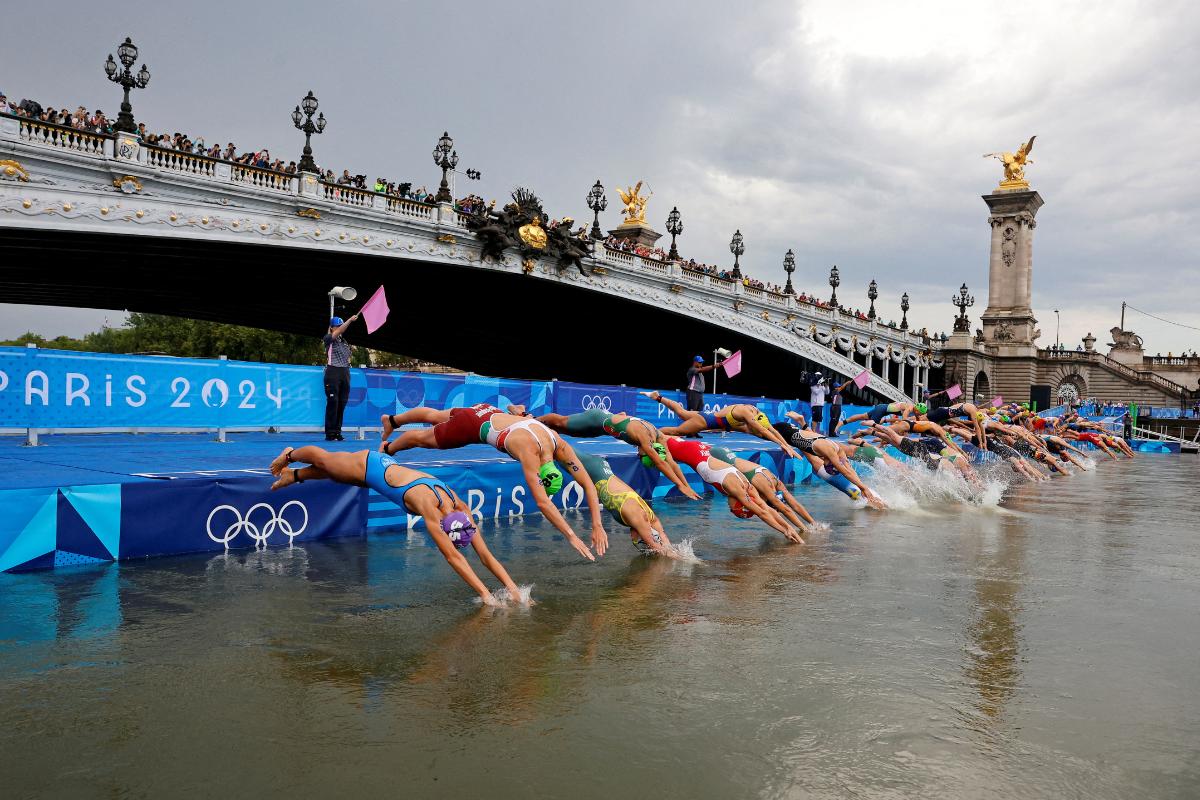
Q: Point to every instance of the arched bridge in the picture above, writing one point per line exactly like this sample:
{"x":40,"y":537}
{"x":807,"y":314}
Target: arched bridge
{"x":107,"y":222}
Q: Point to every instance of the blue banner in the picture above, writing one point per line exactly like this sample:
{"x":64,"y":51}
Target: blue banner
{"x":65,"y":389}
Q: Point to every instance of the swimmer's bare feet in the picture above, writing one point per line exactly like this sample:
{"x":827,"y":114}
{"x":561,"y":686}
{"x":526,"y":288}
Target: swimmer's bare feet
{"x":655,"y":396}
{"x":286,"y":478}
{"x":281,"y":461}
{"x":386,"y":421}
{"x":516,"y":409}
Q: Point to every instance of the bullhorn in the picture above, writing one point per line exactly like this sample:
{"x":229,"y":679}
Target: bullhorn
{"x":346,"y":293}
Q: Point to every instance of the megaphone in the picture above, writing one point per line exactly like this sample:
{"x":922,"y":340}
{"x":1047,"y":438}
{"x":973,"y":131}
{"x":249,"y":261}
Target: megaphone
{"x":343,"y":292}
{"x":722,"y":352}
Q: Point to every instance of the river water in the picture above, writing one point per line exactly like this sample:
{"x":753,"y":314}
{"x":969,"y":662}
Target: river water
{"x":1047,"y":646}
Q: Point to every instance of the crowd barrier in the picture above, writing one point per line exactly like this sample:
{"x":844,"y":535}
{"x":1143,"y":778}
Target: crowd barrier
{"x":62,"y":390}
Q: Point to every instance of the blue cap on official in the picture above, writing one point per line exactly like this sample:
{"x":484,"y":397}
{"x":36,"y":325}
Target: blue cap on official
{"x":333,"y":323}
{"x":699,"y":359}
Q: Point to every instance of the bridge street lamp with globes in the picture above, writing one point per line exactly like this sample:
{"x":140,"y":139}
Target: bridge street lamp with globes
{"x":127,"y":51}
{"x":737,"y":246}
{"x":674,"y":227}
{"x":835,"y":280}
{"x":962,"y":301}
{"x":872,"y":294}
{"x":446,"y":157}
{"x":789,"y":266}
{"x":597,"y":202}
{"x":302,"y":118}
{"x":904,"y":311}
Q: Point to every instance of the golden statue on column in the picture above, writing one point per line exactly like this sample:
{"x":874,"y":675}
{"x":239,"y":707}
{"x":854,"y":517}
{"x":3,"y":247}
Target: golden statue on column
{"x":1014,"y":166}
{"x":635,"y":204}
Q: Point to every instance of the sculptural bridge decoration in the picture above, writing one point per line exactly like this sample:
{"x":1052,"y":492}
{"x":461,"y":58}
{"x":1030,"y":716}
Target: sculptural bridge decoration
{"x":63,"y":190}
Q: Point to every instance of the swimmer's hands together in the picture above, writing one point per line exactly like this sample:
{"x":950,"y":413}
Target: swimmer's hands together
{"x":794,"y":536}
{"x":580,"y":547}
{"x":599,"y":539}
{"x":791,"y":453}
{"x":689,"y":493}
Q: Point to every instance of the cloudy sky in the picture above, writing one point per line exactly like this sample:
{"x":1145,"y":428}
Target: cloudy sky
{"x":851,"y":132}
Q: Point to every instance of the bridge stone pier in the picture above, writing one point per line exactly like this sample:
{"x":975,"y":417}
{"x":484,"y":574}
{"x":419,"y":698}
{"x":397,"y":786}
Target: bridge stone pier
{"x":108,"y":222}
{"x":1003,"y":357}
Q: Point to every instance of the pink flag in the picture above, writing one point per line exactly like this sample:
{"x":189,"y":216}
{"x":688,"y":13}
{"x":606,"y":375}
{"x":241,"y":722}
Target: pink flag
{"x":862,"y":378}
{"x":997,"y":401}
{"x":375,"y":311}
{"x":954,"y":392}
{"x":733,"y":364}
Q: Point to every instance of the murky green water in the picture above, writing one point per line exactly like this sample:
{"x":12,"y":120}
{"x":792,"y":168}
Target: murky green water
{"x":1047,"y":648}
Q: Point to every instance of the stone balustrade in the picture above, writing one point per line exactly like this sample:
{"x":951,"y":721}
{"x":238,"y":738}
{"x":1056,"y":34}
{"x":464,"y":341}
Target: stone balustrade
{"x":50,"y":135}
{"x":1094,"y":357}
{"x":186,"y":163}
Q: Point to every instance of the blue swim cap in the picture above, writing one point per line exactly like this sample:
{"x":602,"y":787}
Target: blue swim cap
{"x":335,"y":321}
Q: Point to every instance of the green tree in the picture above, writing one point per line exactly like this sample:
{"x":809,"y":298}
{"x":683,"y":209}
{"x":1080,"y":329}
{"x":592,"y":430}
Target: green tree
{"x":176,"y":336}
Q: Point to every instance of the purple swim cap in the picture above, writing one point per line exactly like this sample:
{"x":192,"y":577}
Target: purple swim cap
{"x":459,"y":527}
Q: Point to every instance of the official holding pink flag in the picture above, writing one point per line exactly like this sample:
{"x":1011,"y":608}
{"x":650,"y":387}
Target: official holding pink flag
{"x":337,"y":361}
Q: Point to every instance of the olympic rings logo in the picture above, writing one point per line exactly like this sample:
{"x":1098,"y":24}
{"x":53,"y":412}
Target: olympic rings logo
{"x":260,"y":534}
{"x":600,"y":401}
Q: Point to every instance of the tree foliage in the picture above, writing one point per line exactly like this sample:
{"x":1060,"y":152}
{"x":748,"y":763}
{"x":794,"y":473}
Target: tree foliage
{"x":175,"y":336}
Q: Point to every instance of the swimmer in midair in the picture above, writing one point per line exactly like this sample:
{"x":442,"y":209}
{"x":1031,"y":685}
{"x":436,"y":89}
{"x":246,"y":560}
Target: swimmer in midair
{"x":528,"y":441}
{"x":740,"y":417}
{"x":632,"y":430}
{"x":744,"y":500}
{"x":447,"y":517}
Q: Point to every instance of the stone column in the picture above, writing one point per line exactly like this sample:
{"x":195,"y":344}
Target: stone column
{"x":1008,"y":322}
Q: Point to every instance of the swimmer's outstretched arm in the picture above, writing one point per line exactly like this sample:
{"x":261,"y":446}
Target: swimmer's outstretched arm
{"x":565,"y":455}
{"x":843,"y":466}
{"x":645,"y":532}
{"x":770,"y":435}
{"x":748,"y":496}
{"x":529,"y":468}
{"x":673,"y":475}
{"x":426,"y":505}
{"x":495,"y":567}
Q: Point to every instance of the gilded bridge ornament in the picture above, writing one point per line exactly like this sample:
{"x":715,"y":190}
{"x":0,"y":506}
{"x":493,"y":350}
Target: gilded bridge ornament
{"x":533,"y":234}
{"x":1014,"y":166}
{"x":635,"y":204}
{"x":13,"y":170}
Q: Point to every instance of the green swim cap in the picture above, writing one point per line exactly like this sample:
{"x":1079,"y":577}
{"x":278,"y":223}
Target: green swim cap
{"x":1005,"y":418}
{"x":658,"y":448}
{"x":922,"y":408}
{"x":552,"y":479}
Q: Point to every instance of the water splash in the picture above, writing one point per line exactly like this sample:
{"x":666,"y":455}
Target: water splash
{"x":685,"y":552}
{"x":504,"y":597}
{"x":912,"y":488}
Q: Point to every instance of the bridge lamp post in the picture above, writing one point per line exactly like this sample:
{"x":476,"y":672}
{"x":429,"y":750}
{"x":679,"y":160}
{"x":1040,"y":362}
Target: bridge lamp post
{"x":127,"y":51}
{"x":872,"y":294}
{"x":597,"y":202}
{"x":962,"y":301}
{"x":674,"y":227}
{"x":904,"y":311}
{"x":789,"y":266}
{"x":1057,"y":328}
{"x":446,"y":157}
{"x":737,"y":246}
{"x":835,"y":280}
{"x":304,"y":122}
